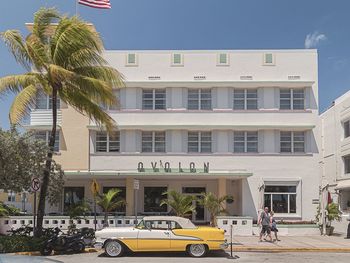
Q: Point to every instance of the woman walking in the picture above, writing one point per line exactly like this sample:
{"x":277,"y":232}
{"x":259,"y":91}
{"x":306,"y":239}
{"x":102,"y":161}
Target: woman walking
{"x":274,"y":225}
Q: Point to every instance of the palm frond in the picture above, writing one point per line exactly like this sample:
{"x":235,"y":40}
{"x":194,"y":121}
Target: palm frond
{"x":43,"y":19}
{"x":37,"y":52}
{"x":15,"y":83}
{"x":83,"y":104}
{"x":83,"y":57}
{"x":22,"y":103}
{"x":14,"y":41}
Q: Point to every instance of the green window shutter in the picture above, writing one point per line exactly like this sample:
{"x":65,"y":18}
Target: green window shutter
{"x":223,"y":58}
{"x":268,"y":58}
{"x":177,"y":58}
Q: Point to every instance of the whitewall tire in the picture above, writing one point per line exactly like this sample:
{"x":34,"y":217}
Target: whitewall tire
{"x":114,"y":248}
{"x":197,"y":250}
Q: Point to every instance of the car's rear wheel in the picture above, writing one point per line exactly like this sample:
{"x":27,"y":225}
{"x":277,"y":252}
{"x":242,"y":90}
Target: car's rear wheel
{"x":197,"y":250}
{"x":114,"y":248}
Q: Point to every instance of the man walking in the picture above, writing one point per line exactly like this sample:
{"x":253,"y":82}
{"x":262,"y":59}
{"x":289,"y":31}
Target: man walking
{"x":265,"y":221}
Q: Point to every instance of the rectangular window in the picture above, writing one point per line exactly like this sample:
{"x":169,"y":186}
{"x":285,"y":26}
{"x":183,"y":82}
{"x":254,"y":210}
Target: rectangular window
{"x":177,"y":59}
{"x":153,"y":99}
{"x":223,"y":59}
{"x":107,"y":142}
{"x":269,"y":59}
{"x":44,"y":102}
{"x":245,"y":141}
{"x":245,"y":99}
{"x":114,"y":106}
{"x":199,"y":99}
{"x":346,"y":164}
{"x":131,"y":59}
{"x":72,"y":195}
{"x":292,"y":99}
{"x":347,"y":129}
{"x":152,"y":199}
{"x":280,"y":198}
{"x":45,"y":136}
{"x":11,"y":196}
{"x":120,"y":196}
{"x":292,"y":142}
{"x":153,"y":141}
{"x":199,"y":142}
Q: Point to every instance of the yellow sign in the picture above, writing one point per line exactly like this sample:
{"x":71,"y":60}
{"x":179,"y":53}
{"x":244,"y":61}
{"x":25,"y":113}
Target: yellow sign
{"x":95,"y":187}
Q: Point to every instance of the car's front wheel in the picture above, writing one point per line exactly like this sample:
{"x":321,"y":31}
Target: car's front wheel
{"x":114,"y":248}
{"x":197,"y":250}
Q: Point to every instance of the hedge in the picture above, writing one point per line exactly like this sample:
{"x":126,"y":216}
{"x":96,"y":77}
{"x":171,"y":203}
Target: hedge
{"x":10,"y":244}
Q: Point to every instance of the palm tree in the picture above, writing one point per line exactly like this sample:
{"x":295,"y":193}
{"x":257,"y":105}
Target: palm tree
{"x":181,"y":205}
{"x":109,"y":202}
{"x":214,"y":205}
{"x":63,"y":60}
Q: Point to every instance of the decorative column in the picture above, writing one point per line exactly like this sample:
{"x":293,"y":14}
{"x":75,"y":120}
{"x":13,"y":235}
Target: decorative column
{"x":129,"y":196}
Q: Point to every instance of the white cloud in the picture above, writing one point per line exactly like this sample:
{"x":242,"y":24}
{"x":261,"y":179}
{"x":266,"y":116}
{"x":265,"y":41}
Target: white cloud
{"x":312,"y":40}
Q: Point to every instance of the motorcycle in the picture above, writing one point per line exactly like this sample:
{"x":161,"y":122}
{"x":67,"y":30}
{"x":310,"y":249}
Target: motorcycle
{"x":63,"y":243}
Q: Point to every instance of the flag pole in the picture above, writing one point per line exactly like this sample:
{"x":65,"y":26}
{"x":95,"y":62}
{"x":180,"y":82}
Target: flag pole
{"x":76,"y":7}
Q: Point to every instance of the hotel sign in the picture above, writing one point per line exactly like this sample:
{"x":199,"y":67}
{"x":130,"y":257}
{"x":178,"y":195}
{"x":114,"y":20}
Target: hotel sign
{"x":166,"y":167}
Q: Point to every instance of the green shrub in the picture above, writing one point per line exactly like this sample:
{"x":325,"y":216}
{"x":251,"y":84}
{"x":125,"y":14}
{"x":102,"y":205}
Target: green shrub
{"x":11,"y":244}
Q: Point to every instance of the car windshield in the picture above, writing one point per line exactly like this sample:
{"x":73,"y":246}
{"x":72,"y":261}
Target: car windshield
{"x":141,"y":225}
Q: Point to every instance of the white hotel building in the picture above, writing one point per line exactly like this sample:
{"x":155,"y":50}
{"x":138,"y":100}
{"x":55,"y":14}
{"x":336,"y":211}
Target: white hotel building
{"x":237,"y":122}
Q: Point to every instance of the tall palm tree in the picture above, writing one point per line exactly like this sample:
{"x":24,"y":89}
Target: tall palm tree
{"x":214,"y":205}
{"x":63,"y":60}
{"x":181,"y":205}
{"x":109,"y":202}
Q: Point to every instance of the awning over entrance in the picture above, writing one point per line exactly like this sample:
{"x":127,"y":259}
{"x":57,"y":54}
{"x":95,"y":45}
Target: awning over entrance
{"x":344,"y":184}
{"x":148,"y":173}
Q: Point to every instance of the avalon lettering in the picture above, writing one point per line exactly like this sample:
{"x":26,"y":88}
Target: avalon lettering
{"x":167,"y":168}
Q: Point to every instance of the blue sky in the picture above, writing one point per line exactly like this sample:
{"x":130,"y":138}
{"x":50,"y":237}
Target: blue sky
{"x":208,"y":24}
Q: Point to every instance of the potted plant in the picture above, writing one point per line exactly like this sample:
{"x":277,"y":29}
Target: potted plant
{"x":332,"y":213}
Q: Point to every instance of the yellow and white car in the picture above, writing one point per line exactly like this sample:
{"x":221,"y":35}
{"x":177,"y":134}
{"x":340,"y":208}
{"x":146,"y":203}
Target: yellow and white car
{"x":161,"y":233}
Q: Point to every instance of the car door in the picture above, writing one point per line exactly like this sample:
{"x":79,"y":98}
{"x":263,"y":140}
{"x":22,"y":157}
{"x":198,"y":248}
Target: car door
{"x":154,"y":236}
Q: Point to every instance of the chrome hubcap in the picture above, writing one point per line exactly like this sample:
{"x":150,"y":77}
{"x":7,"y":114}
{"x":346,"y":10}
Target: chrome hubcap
{"x":197,"y":250}
{"x":113,"y":248}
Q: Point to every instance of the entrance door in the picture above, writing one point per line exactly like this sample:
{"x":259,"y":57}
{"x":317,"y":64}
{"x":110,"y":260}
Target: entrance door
{"x":200,"y":214}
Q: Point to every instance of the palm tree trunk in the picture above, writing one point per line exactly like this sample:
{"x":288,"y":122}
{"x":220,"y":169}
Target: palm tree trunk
{"x":106,"y":220}
{"x":46,"y":176}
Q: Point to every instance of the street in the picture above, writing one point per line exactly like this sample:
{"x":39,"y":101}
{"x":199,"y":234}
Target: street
{"x":177,"y":257}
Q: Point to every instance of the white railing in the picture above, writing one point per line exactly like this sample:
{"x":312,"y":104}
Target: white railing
{"x":15,"y":222}
{"x":44,"y":117}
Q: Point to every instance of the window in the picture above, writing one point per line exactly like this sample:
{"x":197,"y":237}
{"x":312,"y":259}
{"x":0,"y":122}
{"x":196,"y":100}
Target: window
{"x":153,"y":141}
{"x":45,"y":136}
{"x":347,"y":129}
{"x":269,"y":59}
{"x":281,"y":198}
{"x":245,"y":99}
{"x":131,"y":59}
{"x":245,"y":141}
{"x":11,"y":196}
{"x":73,"y":195}
{"x":346,"y":164}
{"x":120,"y":196}
{"x":44,"y":102}
{"x":152,"y":199}
{"x":222,"y":59}
{"x":292,"y":99}
{"x":115,"y":106}
{"x":177,"y":59}
{"x":199,"y":99}
{"x":107,"y":142}
{"x":199,"y":142}
{"x":292,"y":142}
{"x":153,"y":99}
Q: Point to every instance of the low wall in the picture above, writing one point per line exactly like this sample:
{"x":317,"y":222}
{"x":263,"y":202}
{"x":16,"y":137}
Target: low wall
{"x":241,"y":225}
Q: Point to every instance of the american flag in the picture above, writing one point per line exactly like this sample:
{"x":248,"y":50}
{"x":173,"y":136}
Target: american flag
{"x":103,"y":4}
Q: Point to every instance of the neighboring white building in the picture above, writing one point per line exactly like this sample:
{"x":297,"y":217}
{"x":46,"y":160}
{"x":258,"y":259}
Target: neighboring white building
{"x":238,"y":122}
{"x":335,"y":161}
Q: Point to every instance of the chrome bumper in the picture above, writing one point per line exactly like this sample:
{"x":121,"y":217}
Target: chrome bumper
{"x":224,"y":245}
{"x":98,"y":245}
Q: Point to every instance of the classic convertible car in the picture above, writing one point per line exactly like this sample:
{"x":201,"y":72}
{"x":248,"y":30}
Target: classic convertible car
{"x":161,"y":233}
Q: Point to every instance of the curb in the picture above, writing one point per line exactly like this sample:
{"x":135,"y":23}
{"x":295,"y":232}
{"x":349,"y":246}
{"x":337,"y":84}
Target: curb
{"x":288,"y":249}
{"x":37,"y":253}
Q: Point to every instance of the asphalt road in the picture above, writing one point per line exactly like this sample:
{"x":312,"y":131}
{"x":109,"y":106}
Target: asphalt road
{"x":178,"y":257}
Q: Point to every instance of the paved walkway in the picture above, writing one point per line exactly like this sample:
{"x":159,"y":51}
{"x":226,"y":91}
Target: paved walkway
{"x":293,"y":243}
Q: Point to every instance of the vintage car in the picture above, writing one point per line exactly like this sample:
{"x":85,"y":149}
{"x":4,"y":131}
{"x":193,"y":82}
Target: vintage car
{"x":161,"y":233}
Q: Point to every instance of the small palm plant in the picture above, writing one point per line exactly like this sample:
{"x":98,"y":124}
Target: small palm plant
{"x":214,"y":205}
{"x":181,"y":205}
{"x":109,"y":202}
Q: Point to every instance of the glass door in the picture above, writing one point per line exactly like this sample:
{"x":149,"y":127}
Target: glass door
{"x":200,"y":213}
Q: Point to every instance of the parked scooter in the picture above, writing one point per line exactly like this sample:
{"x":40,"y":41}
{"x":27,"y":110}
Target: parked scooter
{"x":63,"y":243}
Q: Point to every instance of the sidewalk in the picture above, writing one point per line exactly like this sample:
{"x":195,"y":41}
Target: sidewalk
{"x":292,"y":244}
